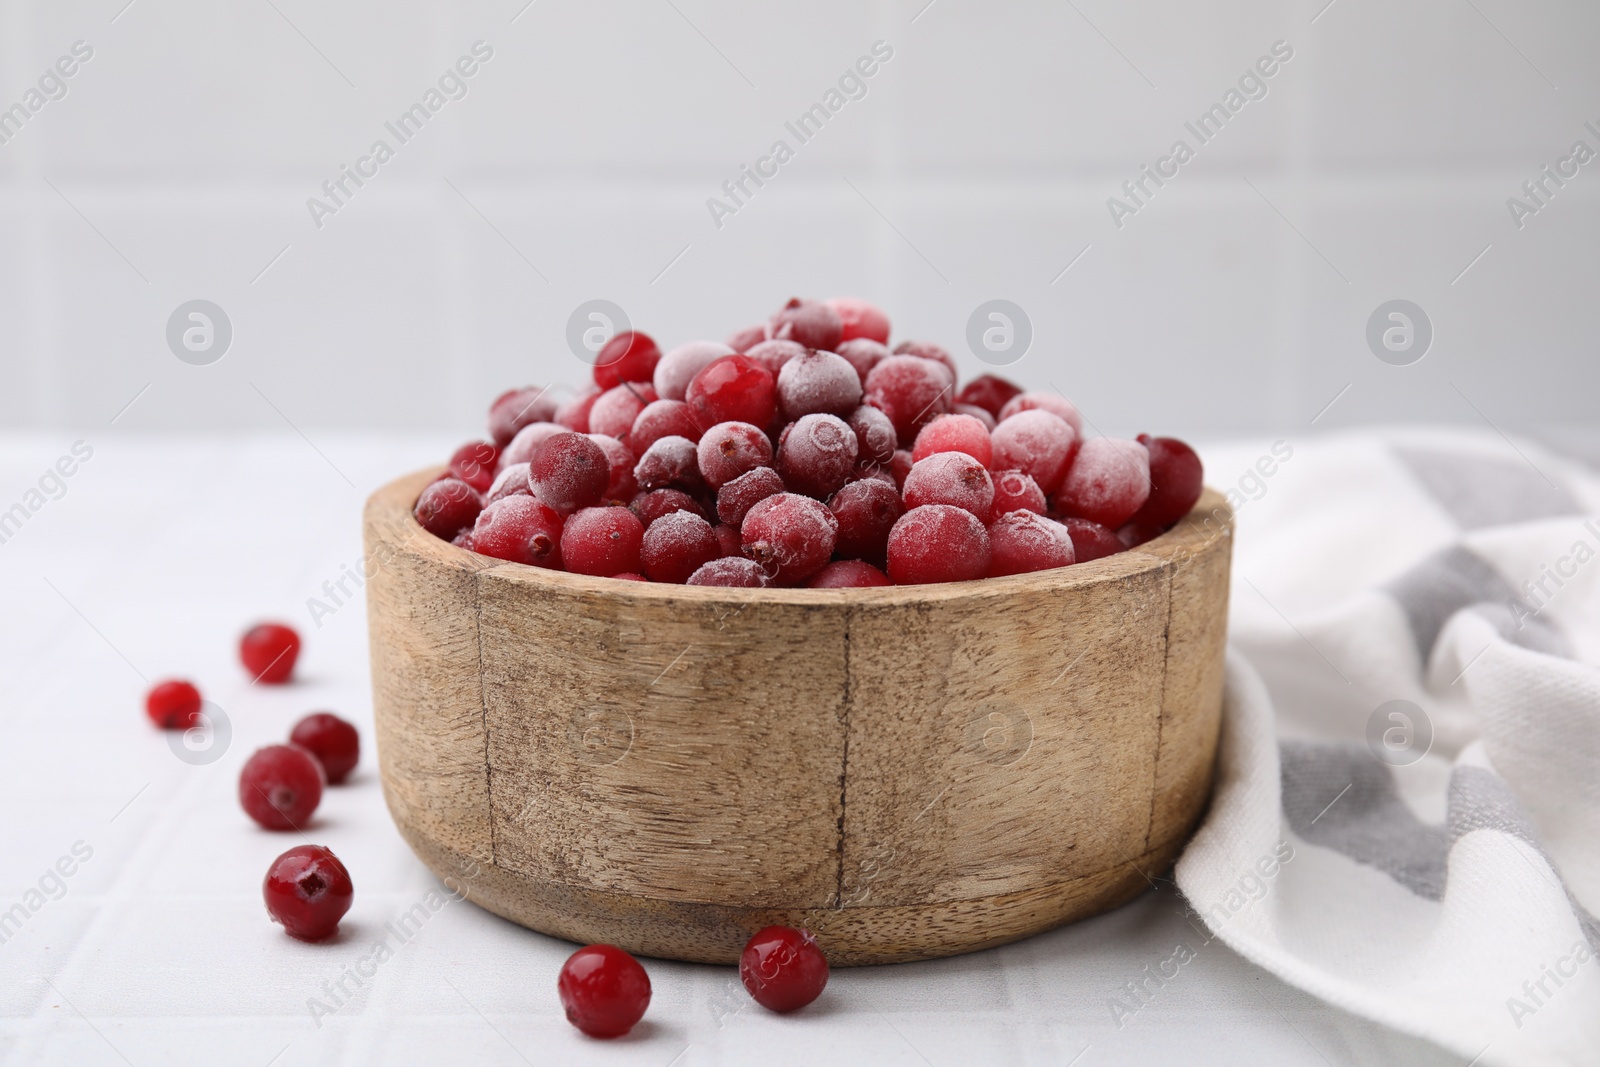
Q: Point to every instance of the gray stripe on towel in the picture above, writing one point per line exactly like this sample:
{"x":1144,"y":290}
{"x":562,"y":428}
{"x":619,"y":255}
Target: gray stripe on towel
{"x":1481,"y":491}
{"x":1457,"y":578}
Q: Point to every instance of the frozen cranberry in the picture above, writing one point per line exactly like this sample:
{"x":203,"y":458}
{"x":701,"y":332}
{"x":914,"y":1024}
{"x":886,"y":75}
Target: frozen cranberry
{"x":938,"y":543}
{"x":929,"y":350}
{"x":512,"y":481}
{"x":810,"y":322}
{"x":679,"y":366}
{"x":728,"y":539}
{"x":520,"y":450}
{"x":1107,"y":483}
{"x":1023,"y":541}
{"x":774,"y":355}
{"x":875,"y":434}
{"x":334,"y":742}
{"x":307,"y":891}
{"x":951,"y":478}
{"x":791,"y":536}
{"x":601,"y":541}
{"x":630,"y":577}
{"x":280,"y":786}
{"x":860,"y":319}
{"x":1175,"y":482}
{"x":733,"y":389}
{"x":620,"y":461}
{"x":630,"y":356}
{"x":569,"y":471}
{"x":616,"y":409}
{"x":988,"y":392}
{"x":731,"y":572}
{"x":1059,"y":406}
{"x":818,"y":383}
{"x":173,"y":705}
{"x":447,"y":507}
{"x":736,"y":498}
{"x":817,"y":455}
{"x":1037,"y":443}
{"x":522,"y":529}
{"x":268,"y":651}
{"x":866,"y":468}
{"x":573,"y":413}
{"x":1015,"y":491}
{"x":663,"y":418}
{"x":474,"y":463}
{"x":653,"y":505}
{"x":603,"y":990}
{"x":783,"y":968}
{"x":670,"y":463}
{"x":1090,"y":540}
{"x":463,"y":540}
{"x":1134,"y":533}
{"x":954,"y":433}
{"x":866,"y":511}
{"x":847,"y":574}
{"x":900,"y":467}
{"x":911,"y":391}
{"x":730,"y":449}
{"x":863,"y":354}
{"x":516,"y":408}
{"x":742,"y":341}
{"x":677,"y":545}
{"x":976,"y":412}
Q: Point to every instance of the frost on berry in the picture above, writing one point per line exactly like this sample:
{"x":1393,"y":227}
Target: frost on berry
{"x":616,"y":409}
{"x":736,"y":498}
{"x":733,"y":572}
{"x":516,"y":408}
{"x":1035,"y":442}
{"x":863,"y":354}
{"x":573,"y":413}
{"x":1059,"y":406}
{"x":859,"y":319}
{"x":678,"y":367}
{"x":520,"y":450}
{"x":912,"y":391}
{"x":791,"y":536}
{"x":954,"y":433}
{"x":677,"y":545}
{"x":730,"y":449}
{"x":670,"y":463}
{"x":938,"y":543}
{"x":951,"y":478}
{"x":1023,"y":541}
{"x":808,"y":322}
{"x":775,"y":354}
{"x":620,"y":486}
{"x":817,"y":455}
{"x":521,"y":529}
{"x":1108,"y":482}
{"x":663,"y":418}
{"x":569,"y":471}
{"x":659,"y":502}
{"x":1015,"y":491}
{"x":875,"y":434}
{"x":818,"y":383}
{"x":866,"y":511}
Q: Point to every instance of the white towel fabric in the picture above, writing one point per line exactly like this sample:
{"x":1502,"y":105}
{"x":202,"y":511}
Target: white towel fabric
{"x":1407,"y":815}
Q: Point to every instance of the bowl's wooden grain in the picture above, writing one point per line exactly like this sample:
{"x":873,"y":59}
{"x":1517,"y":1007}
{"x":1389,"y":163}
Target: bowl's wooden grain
{"x":910,"y":772}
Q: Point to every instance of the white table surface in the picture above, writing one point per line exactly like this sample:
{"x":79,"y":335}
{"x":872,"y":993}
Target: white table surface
{"x":159,"y":950}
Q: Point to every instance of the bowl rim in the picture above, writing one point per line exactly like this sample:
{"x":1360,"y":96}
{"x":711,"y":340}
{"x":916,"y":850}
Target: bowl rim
{"x":390,"y":506}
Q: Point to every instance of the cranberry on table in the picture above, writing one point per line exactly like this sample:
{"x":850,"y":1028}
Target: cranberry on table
{"x":569,"y":471}
{"x":521,"y":529}
{"x":602,"y":541}
{"x":1108,"y":482}
{"x":1090,"y":540}
{"x":1023,"y":541}
{"x":860,"y":319}
{"x":334,"y":742}
{"x":308,"y":891}
{"x":790,"y":535}
{"x":630,"y":356}
{"x":809,"y":322}
{"x":173,"y":705}
{"x":734,"y":389}
{"x":475,"y":463}
{"x":604,"y":991}
{"x":954,"y":433}
{"x":848,"y":574}
{"x":268,"y":651}
{"x":677,"y":545}
{"x":950,"y":478}
{"x":938,"y":543}
{"x":817,"y":455}
{"x":1175,"y":482}
{"x":783,"y":968}
{"x":281,"y":786}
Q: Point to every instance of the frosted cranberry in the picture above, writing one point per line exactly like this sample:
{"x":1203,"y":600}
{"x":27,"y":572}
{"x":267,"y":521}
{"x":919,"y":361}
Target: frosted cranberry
{"x":573,"y":413}
{"x":511,"y":481}
{"x":1134,"y":533}
{"x":516,"y":408}
{"x":603,"y":990}
{"x":742,"y":341}
{"x":875,"y":435}
{"x":474,"y":463}
{"x":1037,"y":443}
{"x":1090,"y":540}
{"x":860,"y":319}
{"x":988,"y":392}
{"x":976,"y":412}
{"x":1023,"y":541}
{"x":728,"y":540}
{"x":463,"y":540}
{"x":280,"y":786}
{"x":630,"y":577}
{"x":447,"y":507}
{"x":307,"y":891}
{"x":1059,"y":406}
{"x":730,"y":449}
{"x":569,"y":471}
{"x":630,"y":356}
{"x":670,"y":463}
{"x":863,"y":354}
{"x":866,"y":468}
{"x":866,"y":511}
{"x":334,"y":742}
{"x":521,"y":529}
{"x":911,"y":391}
{"x":929,"y":350}
{"x":1107,"y":483}
{"x":677,"y":545}
{"x":847,"y":574}
{"x":736,"y":498}
{"x":938,"y":543}
{"x":663,"y":418}
{"x":679,"y":366}
{"x":818,"y":383}
{"x":601,"y":541}
{"x":1176,"y":479}
{"x":951,"y":478}
{"x":783,"y":968}
{"x":733,"y":389}
{"x":173,"y":705}
{"x":809,"y":322}
{"x":791,"y":536}
{"x":615,"y":410}
{"x":900,"y":467}
{"x":520,"y":450}
{"x":620,"y":461}
{"x":268,"y":651}
{"x":653,"y":505}
{"x":954,"y":433}
{"x":817,"y":455}
{"x":731,"y":572}
{"x":1015,"y":491}
{"x":774,"y":355}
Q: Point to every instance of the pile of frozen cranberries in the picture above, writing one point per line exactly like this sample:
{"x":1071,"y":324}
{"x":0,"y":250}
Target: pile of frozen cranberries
{"x":803,"y":451}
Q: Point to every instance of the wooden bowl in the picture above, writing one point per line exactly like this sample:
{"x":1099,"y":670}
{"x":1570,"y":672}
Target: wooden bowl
{"x":908,"y":772}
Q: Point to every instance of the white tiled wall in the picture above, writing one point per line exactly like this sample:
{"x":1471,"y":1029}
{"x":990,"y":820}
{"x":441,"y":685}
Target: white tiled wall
{"x":978,"y":165}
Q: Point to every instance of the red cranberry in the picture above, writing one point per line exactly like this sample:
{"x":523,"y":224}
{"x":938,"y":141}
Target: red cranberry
{"x":783,"y":968}
{"x":616,"y":410}
{"x":1022,"y":541}
{"x":818,"y":383}
{"x":516,"y":408}
{"x":569,"y":471}
{"x":858,"y":318}
{"x":875,"y":434}
{"x":630,"y":356}
{"x":976,"y":412}
{"x":774,"y":355}
{"x":938,"y":543}
{"x":1107,"y":483}
{"x":308,"y":891}
{"x":929,"y":350}
{"x":679,"y":366}
{"x":730,"y":449}
{"x":474,"y":463}
{"x":512,"y":481}
{"x":1015,"y":491}
{"x":1175,"y":482}
{"x":447,"y":507}
{"x":1090,"y":540}
{"x":742,"y":341}
{"x":733,"y":389}
{"x":173,"y":705}
{"x":521,"y":529}
{"x":988,"y":392}
{"x":847,"y":574}
{"x":791,"y":536}
{"x":1058,"y":406}
{"x":954,"y":433}
{"x":520,"y":450}
{"x":736,"y":498}
{"x":268,"y":651}
{"x":728,"y":540}
{"x":863,"y":354}
{"x":911,"y":391}
{"x":867,"y":510}
{"x":280,"y":786}
{"x":662,"y":502}
{"x":334,"y":742}
{"x":602,"y":541}
{"x":951,"y":478}
{"x":603,"y":990}
{"x":663,"y":418}
{"x":670,"y":463}
{"x":900,"y":467}
{"x":731,"y":572}
{"x":621,"y":486}
{"x":810,"y":322}
{"x":817,"y":455}
{"x":574,"y":412}
{"x":677,"y":545}
{"x":1037,"y":443}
